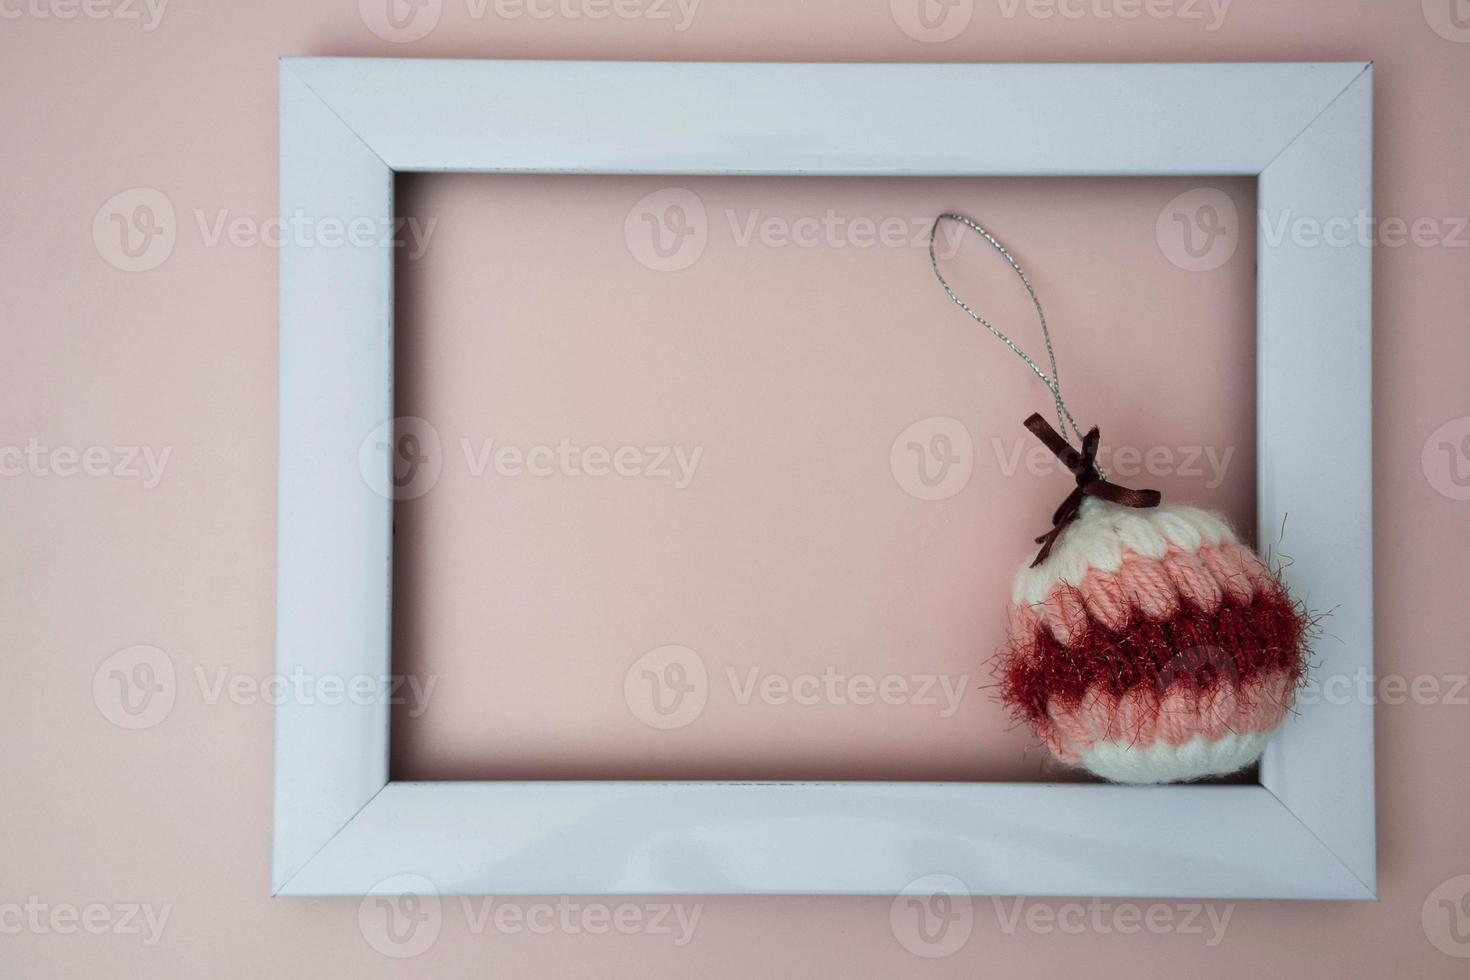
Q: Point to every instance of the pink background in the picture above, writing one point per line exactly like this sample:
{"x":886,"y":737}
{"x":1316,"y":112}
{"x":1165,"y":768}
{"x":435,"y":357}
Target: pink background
{"x":181,"y":358}
{"x":795,"y":548}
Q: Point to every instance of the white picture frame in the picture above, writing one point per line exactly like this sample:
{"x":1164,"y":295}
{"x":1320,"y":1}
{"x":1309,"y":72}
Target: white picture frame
{"x":347,"y":125}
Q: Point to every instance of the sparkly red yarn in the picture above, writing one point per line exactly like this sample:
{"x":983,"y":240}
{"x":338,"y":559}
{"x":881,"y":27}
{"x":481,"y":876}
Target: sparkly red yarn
{"x":1237,"y":642}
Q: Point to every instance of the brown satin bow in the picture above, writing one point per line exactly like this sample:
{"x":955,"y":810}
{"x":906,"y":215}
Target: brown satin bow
{"x":1089,"y":482}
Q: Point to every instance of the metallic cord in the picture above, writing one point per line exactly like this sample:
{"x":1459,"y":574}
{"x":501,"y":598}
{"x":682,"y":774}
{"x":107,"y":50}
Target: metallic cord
{"x":1052,"y":381}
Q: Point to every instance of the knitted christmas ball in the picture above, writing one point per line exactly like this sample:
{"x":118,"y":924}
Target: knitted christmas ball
{"x":1147,"y":644}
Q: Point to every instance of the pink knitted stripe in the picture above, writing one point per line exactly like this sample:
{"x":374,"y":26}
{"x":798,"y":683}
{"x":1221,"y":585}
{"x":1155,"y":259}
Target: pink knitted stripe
{"x":1064,"y":613}
{"x":1108,"y":600}
{"x":1236,"y":569}
{"x":1192,"y":580}
{"x":1056,"y":744}
{"x":1150,"y":588}
{"x":1140,"y":717}
{"x":1153,"y":589}
{"x":1025,"y":620}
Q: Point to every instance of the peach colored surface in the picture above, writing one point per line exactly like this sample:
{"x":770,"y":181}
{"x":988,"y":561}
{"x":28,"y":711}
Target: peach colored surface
{"x":793,"y":553}
{"x":106,"y":825}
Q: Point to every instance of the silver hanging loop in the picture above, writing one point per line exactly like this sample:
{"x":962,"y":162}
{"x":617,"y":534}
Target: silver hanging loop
{"x":1052,"y":381}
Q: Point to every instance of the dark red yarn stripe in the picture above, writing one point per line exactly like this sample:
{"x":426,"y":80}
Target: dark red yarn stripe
{"x":1193,"y":648}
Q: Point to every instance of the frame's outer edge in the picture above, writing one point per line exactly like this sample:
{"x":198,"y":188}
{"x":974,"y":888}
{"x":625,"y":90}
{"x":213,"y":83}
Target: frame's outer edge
{"x":833,"y":119}
{"x":698,"y":838}
{"x":333,"y":530}
{"x":1316,"y":464}
{"x":1307,"y":832}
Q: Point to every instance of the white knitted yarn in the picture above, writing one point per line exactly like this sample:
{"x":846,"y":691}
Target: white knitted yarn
{"x":1102,"y":533}
{"x":1199,"y":758}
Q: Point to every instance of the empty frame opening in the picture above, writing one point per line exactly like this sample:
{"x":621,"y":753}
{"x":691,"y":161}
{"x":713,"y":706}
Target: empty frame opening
{"x":708,"y":479}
